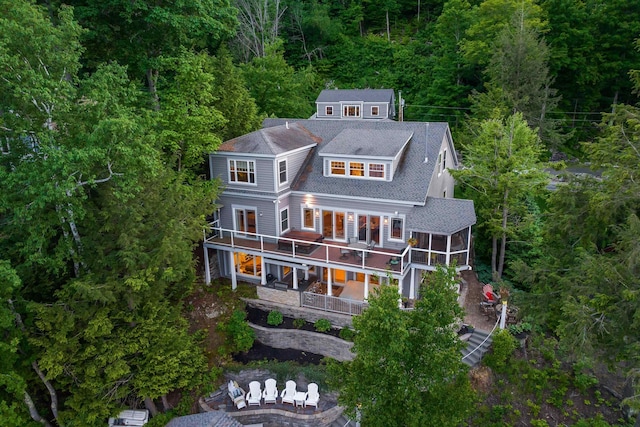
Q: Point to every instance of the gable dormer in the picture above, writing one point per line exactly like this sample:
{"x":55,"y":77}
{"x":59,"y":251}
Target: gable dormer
{"x":364,"y":154}
{"x":356,"y":104}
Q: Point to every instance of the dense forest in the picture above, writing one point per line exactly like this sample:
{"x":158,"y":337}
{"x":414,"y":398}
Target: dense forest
{"x":107,"y":109}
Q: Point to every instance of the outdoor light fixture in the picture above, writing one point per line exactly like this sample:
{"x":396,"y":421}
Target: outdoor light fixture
{"x":350,"y":217}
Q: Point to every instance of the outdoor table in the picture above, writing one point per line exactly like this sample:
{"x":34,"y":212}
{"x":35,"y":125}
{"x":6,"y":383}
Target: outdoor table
{"x":299,"y":398}
{"x":304,"y":243}
{"x":358,"y":246}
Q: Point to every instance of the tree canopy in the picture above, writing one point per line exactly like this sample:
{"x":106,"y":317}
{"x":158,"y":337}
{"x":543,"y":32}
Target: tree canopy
{"x":416,"y":377}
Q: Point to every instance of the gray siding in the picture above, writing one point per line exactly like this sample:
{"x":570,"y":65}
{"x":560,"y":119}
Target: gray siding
{"x":265,"y":180}
{"x":365,"y":110}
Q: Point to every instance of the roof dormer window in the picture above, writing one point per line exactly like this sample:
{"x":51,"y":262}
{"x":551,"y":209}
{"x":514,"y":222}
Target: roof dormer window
{"x":328,"y":110}
{"x":351,"y":111}
{"x":338,"y":168}
{"x":356,"y":169}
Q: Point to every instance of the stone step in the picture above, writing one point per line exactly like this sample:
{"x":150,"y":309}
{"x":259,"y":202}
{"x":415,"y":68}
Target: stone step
{"x":472,"y":355}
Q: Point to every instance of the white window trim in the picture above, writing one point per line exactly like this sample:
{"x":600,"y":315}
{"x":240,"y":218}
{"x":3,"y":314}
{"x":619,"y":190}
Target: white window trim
{"x":358,"y":107}
{"x":284,"y":230}
{"x":326,"y":110}
{"x":347,"y":168}
{"x":313,"y":216}
{"x":286,"y":171}
{"x":255,"y":174}
{"x":376,"y":114}
{"x":394,"y":239}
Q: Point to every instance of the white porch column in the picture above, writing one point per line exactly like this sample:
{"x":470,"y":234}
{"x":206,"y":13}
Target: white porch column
{"x":263,"y":270}
{"x":207,"y":267}
{"x":295,"y":278}
{"x":400,"y":292}
{"x":412,"y":284}
{"x":366,"y":286}
{"x":430,"y":249}
{"x":468,"y":244}
{"x":234,"y":279}
{"x":329,"y":290}
{"x":448,"y":260}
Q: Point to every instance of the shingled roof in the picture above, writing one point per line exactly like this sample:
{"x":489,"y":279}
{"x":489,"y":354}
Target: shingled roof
{"x":442,"y":216}
{"x":271,"y":141}
{"x":411,"y":181}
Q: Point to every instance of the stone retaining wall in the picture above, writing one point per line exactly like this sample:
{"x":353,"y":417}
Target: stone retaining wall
{"x":311,"y":342}
{"x":282,"y":418}
{"x":286,"y":297}
{"x":297,"y":312}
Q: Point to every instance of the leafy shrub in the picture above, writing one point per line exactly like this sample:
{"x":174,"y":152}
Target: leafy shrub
{"x":504,"y":344}
{"x":240,"y":335}
{"x":347,"y":333}
{"x":275,"y":318}
{"x":519,"y":328}
{"x":539,"y":423}
{"x":299,"y":323}
{"x":322,"y":325}
{"x":583,"y":379}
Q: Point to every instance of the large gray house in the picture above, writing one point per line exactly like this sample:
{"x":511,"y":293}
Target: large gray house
{"x":324,"y":210}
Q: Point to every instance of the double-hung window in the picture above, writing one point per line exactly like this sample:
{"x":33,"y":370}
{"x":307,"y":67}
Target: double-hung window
{"x":375,"y":111}
{"x":284,"y":220}
{"x":328,"y":110}
{"x":338,"y":168}
{"x":376,"y":170}
{"x":243,"y":171}
{"x":282,"y":171}
{"x":356,"y":169}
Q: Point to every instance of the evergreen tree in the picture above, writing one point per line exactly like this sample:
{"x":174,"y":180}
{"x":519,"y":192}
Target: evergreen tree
{"x":502,"y":170}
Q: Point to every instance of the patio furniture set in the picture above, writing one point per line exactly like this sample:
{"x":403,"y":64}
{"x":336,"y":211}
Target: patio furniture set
{"x":356,"y":248}
{"x":257,"y":395}
{"x":491,"y":306}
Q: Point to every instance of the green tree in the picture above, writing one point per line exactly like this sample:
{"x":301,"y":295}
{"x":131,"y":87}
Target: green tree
{"x":519,"y":81}
{"x":417,"y":376}
{"x":502,"y":170}
{"x":189,"y":121}
{"x":586,"y":289}
{"x":233,"y":99}
{"x":489,"y":20}
{"x":98,"y":226}
{"x":453,"y":76}
{"x":278,"y":89}
{"x":137,"y":34}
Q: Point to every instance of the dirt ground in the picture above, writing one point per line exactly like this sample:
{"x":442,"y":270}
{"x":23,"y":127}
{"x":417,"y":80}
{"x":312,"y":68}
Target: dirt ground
{"x":471,"y":294}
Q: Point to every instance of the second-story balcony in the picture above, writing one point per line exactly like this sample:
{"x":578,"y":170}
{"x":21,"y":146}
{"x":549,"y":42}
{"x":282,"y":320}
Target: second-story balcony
{"x":334,"y":253}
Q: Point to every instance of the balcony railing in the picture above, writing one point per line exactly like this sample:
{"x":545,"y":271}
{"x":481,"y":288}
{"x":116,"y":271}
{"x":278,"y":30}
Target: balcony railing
{"x":375,"y":259}
{"x":332,"y":304}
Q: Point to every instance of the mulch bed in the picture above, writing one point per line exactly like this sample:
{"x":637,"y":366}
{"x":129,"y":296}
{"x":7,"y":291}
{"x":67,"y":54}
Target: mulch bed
{"x":260,"y":352}
{"x":259,"y":317}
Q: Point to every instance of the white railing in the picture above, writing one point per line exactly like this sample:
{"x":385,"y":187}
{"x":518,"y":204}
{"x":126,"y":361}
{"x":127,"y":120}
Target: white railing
{"x":259,"y":242}
{"x":332,"y":304}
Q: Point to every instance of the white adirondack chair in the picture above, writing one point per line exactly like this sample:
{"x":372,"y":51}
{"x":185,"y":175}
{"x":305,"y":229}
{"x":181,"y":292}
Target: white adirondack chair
{"x":255,"y":393}
{"x":270,"y":393}
{"x":289,"y":392}
{"x":312,"y":395}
